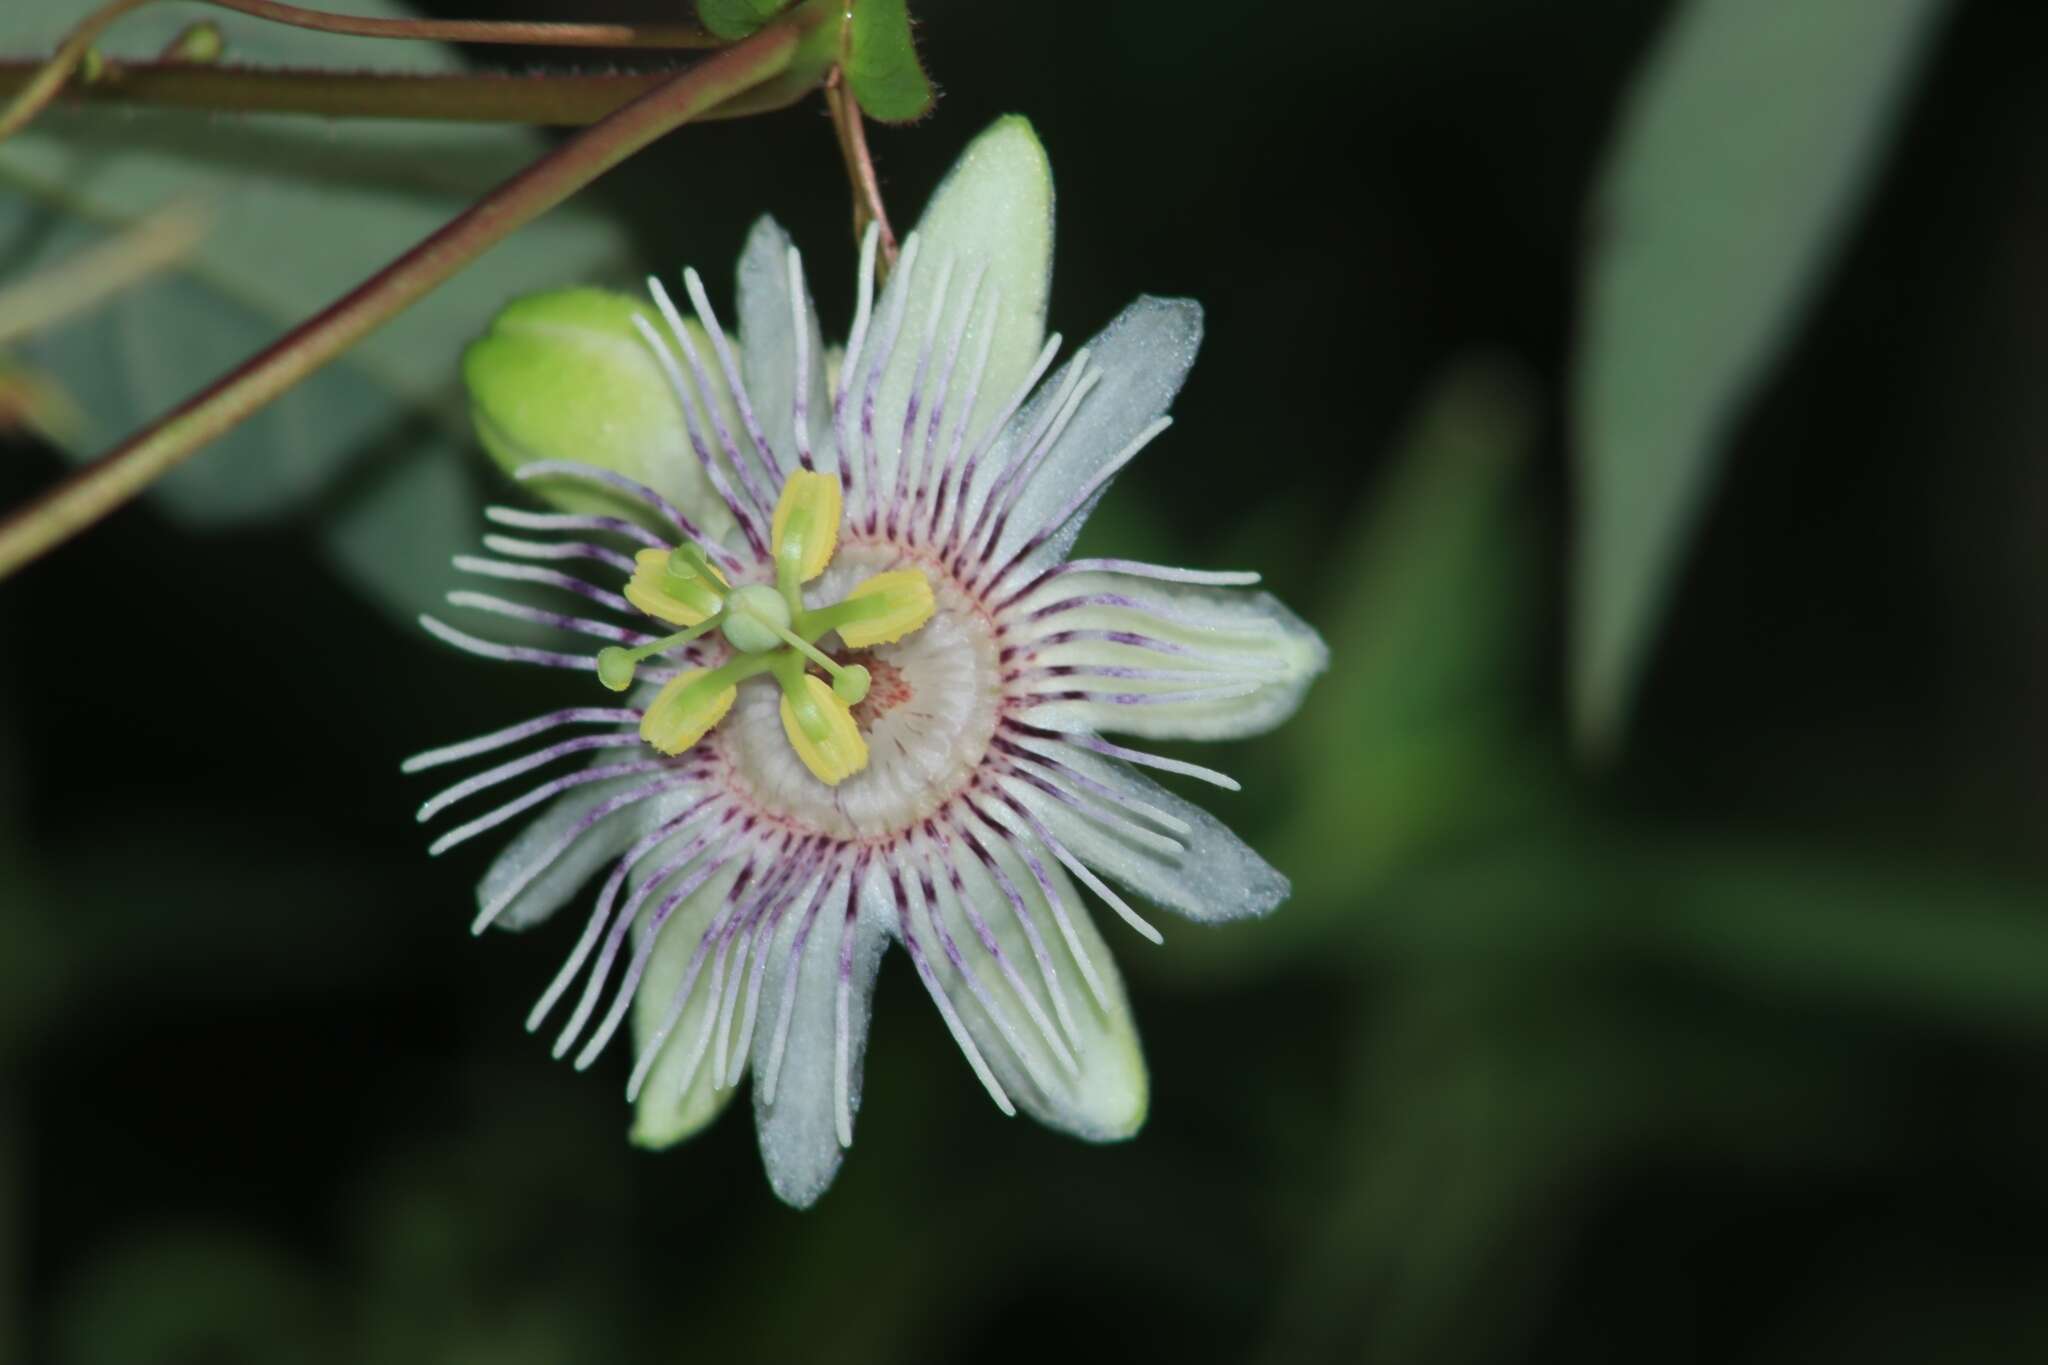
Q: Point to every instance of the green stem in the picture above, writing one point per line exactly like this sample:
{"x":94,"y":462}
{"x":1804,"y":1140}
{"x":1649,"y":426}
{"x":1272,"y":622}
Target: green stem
{"x":115,"y":477}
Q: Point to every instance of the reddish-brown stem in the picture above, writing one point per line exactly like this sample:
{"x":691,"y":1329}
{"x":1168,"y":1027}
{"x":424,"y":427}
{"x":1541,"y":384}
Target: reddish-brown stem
{"x":860,"y":168}
{"x":45,"y":80}
{"x":557,"y":99}
{"x":477,"y":30}
{"x":115,"y":477}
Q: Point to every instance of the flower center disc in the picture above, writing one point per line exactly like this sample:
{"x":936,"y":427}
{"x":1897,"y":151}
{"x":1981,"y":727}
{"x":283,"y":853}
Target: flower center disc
{"x":928,"y":720}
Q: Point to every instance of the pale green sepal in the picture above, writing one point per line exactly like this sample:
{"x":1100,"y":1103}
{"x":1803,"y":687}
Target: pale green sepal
{"x":567,"y":376}
{"x":555,"y":855}
{"x":677,"y":1101}
{"x":1142,"y":358}
{"x":799,"y":1126}
{"x":1250,"y":660}
{"x":994,"y":208}
{"x":1105,"y":1094}
{"x":768,"y":322}
{"x":1211,"y":877}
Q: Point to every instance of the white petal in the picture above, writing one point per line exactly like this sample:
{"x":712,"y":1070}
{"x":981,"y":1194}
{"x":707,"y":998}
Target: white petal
{"x":680,"y":1094}
{"x":800,"y":1129}
{"x":993,"y":210}
{"x":1071,"y":1061}
{"x":1215,"y":875}
{"x":768,"y":341}
{"x":1242,"y":661}
{"x":548,"y":888}
{"x":1143,"y":357}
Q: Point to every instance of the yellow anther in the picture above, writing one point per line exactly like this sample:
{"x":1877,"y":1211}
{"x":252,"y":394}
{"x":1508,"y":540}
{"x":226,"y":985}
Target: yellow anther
{"x":669,"y":597}
{"x":684,"y":711}
{"x":886,"y":608}
{"x":806,"y":525}
{"x":836,"y":751}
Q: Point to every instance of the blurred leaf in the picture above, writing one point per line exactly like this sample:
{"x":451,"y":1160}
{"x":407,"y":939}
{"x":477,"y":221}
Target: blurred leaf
{"x":303,"y":211}
{"x":391,"y":524}
{"x":1420,"y":734}
{"x":34,"y":957}
{"x":1960,"y":945}
{"x":193,"y":1295}
{"x":1741,"y":156}
{"x":1481,"y":1104}
{"x":882,"y":68}
{"x":1430,"y":641}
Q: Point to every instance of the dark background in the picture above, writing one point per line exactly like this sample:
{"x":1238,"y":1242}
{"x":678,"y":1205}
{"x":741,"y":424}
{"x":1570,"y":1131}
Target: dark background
{"x":1730,"y":1051}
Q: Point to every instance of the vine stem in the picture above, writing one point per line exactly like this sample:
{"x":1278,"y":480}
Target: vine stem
{"x":48,"y":78}
{"x":544,"y":33}
{"x":550,"y":99}
{"x":860,"y":167}
{"x":117,"y":476}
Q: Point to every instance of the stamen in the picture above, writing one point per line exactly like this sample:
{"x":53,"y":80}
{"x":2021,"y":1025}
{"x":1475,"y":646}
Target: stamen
{"x":805,"y":530}
{"x":678,"y":586}
{"x":819,"y":724}
{"x":882,"y":610}
{"x":684,"y":711}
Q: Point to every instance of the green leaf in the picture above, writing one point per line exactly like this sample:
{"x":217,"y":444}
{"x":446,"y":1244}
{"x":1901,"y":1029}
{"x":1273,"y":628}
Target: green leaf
{"x":302,"y":211}
{"x":881,"y":65}
{"x":735,"y":18}
{"x":1742,"y":153}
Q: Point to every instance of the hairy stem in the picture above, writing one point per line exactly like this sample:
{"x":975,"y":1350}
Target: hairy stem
{"x":547,"y":34}
{"x":115,"y":477}
{"x":44,"y":81}
{"x":860,"y":168}
{"x":555,"y":99}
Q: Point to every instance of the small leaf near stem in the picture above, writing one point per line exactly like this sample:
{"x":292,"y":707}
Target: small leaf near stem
{"x":860,"y":169}
{"x":879,"y":58}
{"x":200,"y":42}
{"x":778,"y":58}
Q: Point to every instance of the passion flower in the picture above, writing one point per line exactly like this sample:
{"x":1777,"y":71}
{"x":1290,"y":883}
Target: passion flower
{"x":865,"y":689}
